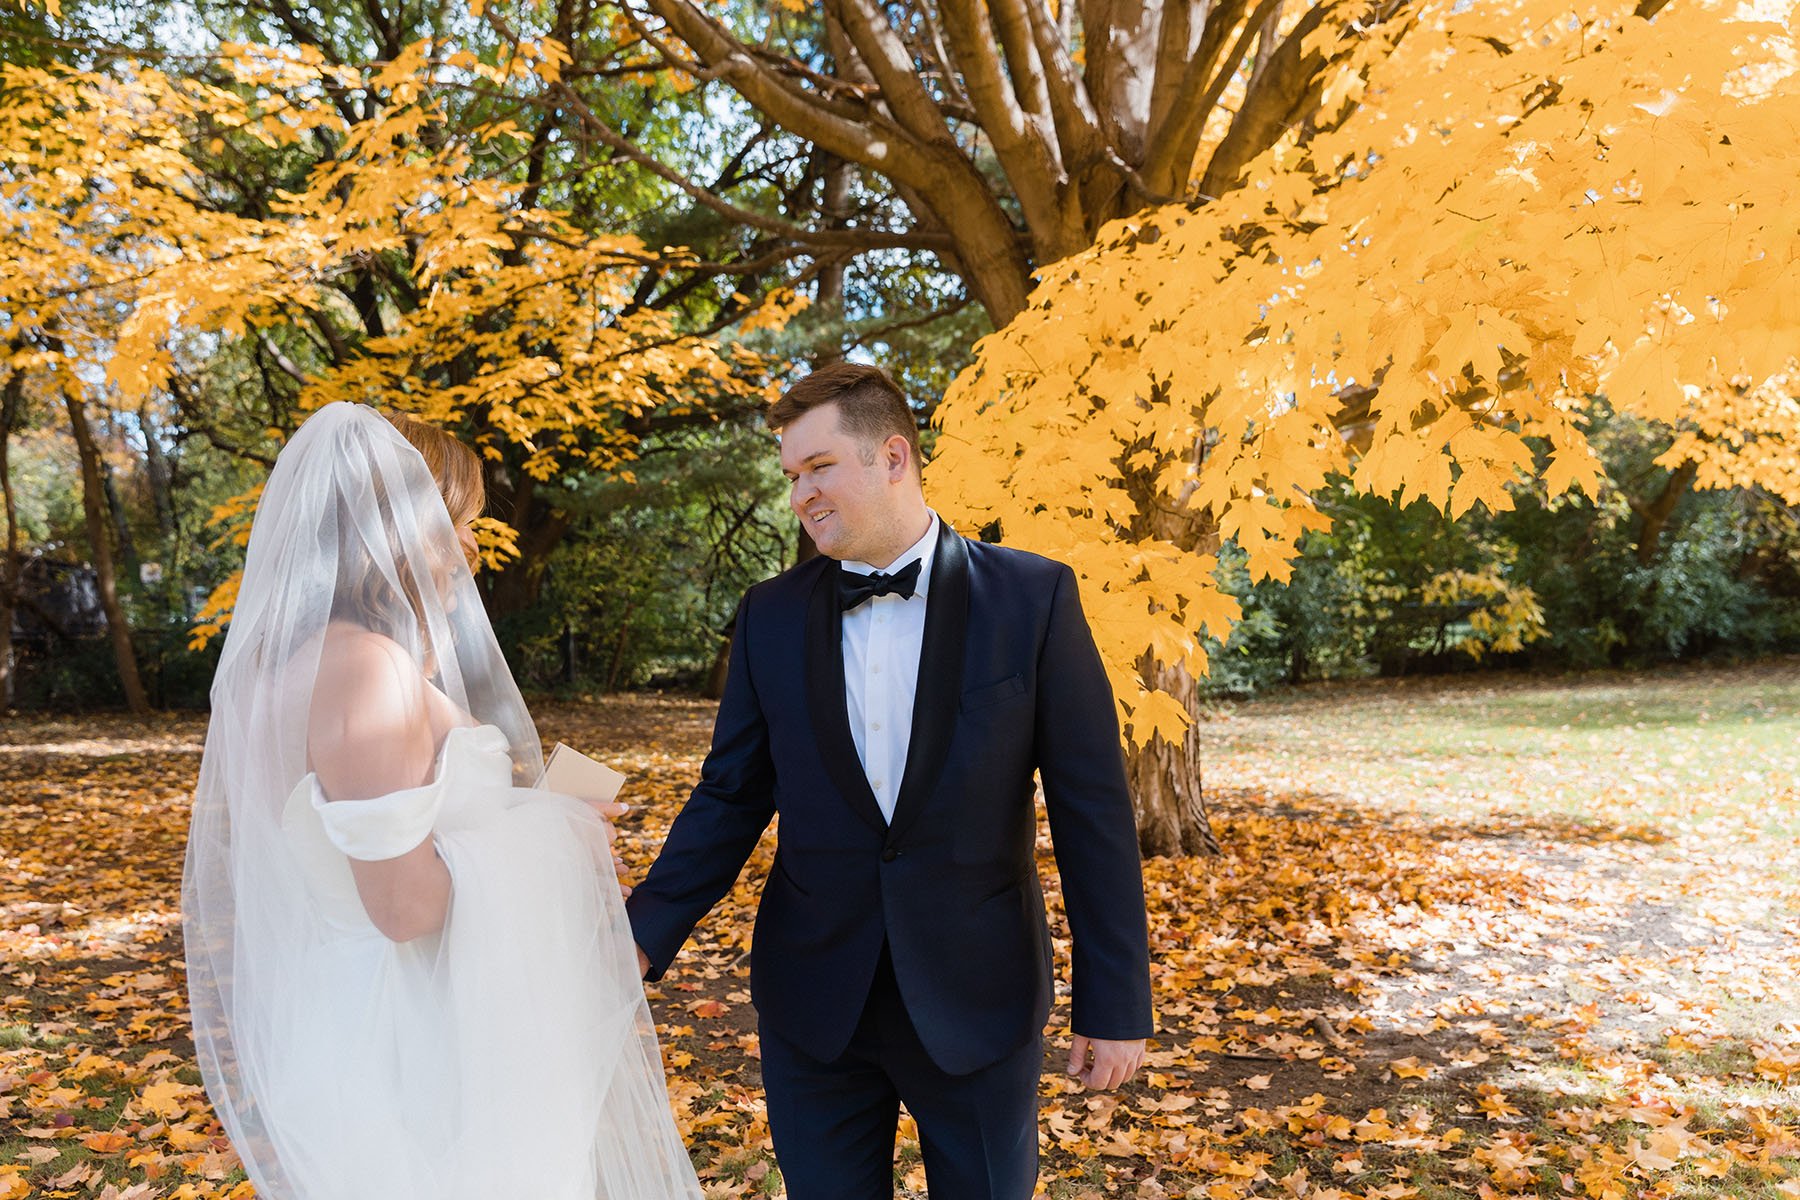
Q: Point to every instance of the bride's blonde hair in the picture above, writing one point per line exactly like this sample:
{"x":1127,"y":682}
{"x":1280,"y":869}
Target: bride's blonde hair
{"x":364,"y":597}
{"x":453,"y":465}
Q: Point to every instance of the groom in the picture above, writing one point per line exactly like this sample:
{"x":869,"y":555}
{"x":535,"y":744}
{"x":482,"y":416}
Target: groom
{"x":891,"y":700}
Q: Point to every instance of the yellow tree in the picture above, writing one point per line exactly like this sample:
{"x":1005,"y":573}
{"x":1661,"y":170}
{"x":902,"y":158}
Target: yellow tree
{"x":522,"y":326}
{"x":1505,"y":209}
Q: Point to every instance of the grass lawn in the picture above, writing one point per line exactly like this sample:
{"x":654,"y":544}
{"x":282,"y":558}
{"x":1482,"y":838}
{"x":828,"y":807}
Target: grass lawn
{"x":1483,"y":937}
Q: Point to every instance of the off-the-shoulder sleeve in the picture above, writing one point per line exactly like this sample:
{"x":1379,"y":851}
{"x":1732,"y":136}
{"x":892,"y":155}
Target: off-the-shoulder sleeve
{"x":381,"y":827}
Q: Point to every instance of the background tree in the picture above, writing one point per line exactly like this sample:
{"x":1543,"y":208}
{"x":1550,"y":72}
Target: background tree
{"x":12,"y":413}
{"x":520,"y":326}
{"x":842,"y":154}
{"x":1515,"y":212}
{"x":1003,"y":137}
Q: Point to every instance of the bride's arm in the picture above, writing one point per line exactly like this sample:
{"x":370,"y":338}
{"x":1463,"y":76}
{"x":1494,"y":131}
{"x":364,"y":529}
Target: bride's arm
{"x":371,"y":735}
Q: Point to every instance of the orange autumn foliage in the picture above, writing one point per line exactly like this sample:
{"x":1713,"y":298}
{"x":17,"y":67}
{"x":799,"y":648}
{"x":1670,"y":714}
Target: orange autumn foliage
{"x":1507,"y":210}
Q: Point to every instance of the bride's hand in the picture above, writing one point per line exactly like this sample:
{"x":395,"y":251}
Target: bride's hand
{"x":609,"y":812}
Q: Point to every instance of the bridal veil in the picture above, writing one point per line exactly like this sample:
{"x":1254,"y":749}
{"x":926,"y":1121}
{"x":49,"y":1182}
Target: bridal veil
{"x":510,"y":1056}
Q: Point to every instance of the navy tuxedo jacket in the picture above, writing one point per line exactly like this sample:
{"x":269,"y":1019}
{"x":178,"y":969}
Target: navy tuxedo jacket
{"x":1009,"y":683}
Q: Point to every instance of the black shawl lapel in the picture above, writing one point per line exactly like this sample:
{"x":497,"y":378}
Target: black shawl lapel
{"x":826,"y":701}
{"x":938,"y":697}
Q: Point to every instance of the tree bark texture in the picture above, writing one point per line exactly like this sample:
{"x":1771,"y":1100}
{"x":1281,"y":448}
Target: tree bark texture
{"x":12,"y":398}
{"x":94,"y":510}
{"x":1014,"y":132}
{"x":1166,"y":785}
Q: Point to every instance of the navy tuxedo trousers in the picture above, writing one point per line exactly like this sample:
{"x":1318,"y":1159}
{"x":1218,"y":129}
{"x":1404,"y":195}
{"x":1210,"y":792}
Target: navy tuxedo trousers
{"x":834,"y":1122}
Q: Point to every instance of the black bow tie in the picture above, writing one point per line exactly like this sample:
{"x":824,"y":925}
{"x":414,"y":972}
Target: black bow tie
{"x":854,"y":588}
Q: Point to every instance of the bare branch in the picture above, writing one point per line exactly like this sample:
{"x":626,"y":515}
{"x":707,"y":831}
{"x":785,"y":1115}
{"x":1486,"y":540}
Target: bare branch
{"x":881,"y":331}
{"x":1170,"y":154}
{"x":279,"y":357}
{"x":601,"y":131}
{"x":875,"y":141}
{"x":1284,"y":93}
{"x":891,"y":65}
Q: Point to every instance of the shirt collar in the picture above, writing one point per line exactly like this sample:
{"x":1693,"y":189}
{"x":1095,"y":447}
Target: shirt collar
{"x":925,"y":550}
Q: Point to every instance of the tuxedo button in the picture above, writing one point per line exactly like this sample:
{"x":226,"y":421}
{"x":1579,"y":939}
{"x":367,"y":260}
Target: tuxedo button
{"x":889,"y":855}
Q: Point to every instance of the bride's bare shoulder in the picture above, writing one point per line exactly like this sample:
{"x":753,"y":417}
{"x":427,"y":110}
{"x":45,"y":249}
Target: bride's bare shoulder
{"x":369,"y":664}
{"x":370,"y":695}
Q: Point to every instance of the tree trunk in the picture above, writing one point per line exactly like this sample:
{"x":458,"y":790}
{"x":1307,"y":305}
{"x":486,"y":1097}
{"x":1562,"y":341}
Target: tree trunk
{"x":11,"y":399}
{"x":619,"y":644}
{"x":516,"y":587}
{"x":93,"y":506}
{"x":714,"y":688}
{"x":1166,"y":782}
{"x":162,"y":476}
{"x":1654,"y":517}
{"x":115,"y":508}
{"x":834,"y":206}
{"x":1165,"y":778}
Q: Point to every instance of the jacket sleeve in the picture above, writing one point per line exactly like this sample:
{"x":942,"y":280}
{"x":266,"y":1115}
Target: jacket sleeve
{"x":1092,"y":826}
{"x":718,"y":828}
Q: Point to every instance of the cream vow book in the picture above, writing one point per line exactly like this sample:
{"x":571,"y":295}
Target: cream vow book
{"x":573,"y":773}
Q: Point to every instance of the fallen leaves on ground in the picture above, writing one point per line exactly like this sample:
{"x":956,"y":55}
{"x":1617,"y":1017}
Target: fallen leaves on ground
{"x":1466,"y":939}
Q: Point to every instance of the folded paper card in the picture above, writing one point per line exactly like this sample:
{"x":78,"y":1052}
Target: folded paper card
{"x":573,"y":773}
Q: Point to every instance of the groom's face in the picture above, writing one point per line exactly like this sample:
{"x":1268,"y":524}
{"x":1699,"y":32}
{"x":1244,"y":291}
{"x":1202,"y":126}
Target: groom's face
{"x":849,"y":494}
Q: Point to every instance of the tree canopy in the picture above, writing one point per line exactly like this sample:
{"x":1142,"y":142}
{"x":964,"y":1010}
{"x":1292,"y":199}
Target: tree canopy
{"x":1506,"y":210}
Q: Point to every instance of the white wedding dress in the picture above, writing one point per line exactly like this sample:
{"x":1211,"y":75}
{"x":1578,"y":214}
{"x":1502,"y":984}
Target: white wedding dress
{"x":510,"y":1056}
{"x":472,"y":1063}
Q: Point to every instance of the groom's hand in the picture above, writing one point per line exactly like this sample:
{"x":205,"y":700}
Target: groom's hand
{"x":643,"y":962}
{"x":1104,"y":1065}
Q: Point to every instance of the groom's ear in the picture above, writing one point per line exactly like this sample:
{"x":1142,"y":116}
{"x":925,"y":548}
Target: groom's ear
{"x":896,"y":456}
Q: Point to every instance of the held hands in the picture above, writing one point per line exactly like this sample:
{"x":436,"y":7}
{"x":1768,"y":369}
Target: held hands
{"x":1103,"y":1065}
{"x":610,"y":811}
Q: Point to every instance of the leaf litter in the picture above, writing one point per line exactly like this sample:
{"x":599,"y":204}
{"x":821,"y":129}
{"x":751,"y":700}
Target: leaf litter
{"x":1525,"y":938}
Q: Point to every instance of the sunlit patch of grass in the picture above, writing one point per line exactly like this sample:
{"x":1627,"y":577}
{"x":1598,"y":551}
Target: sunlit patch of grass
{"x":28,"y":1037}
{"x":1089,"y":1178}
{"x":1714,"y":752}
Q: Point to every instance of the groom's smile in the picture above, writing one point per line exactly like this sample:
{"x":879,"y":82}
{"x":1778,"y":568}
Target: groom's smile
{"x":858,"y":498}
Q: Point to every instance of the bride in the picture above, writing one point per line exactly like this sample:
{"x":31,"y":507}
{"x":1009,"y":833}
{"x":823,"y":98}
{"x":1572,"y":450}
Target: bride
{"x":410,"y":971}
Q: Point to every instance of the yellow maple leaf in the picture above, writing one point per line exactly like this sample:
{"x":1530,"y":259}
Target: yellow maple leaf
{"x":167,"y":1098}
{"x":1411,"y":1068}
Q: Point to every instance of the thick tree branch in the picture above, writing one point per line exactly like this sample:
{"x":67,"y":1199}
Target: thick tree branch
{"x":1287,"y":89}
{"x":1023,"y":142}
{"x":1169,"y":155}
{"x":1121,"y":70}
{"x":876,"y":142}
{"x":983,"y":235}
{"x":1024,"y":64}
{"x":1078,"y":127}
{"x":890,"y":63}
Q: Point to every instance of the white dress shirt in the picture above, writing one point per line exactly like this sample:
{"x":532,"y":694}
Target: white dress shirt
{"x":882,"y":640}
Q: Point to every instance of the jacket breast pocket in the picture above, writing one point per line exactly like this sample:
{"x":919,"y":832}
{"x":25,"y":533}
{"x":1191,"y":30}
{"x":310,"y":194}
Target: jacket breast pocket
{"x":993,"y":693}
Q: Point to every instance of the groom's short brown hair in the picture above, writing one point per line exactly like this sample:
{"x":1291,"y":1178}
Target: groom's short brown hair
{"x":871,"y":407}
